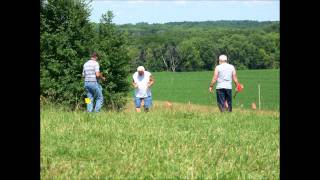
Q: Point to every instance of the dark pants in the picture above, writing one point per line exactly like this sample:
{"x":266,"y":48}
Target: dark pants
{"x":222,"y":96}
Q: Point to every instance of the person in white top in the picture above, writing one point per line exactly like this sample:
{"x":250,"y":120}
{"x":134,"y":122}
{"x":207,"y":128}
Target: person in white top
{"x":142,"y":82}
{"x":224,"y":73}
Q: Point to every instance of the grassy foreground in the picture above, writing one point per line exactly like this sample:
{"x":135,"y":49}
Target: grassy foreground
{"x":184,"y":141}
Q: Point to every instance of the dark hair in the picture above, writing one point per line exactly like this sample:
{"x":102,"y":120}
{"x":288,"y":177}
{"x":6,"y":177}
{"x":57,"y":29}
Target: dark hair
{"x":94,"y":54}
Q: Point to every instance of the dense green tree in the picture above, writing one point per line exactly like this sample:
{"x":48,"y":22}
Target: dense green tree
{"x":114,"y":62}
{"x":249,"y":44}
{"x":65,"y":39}
{"x":190,"y":56}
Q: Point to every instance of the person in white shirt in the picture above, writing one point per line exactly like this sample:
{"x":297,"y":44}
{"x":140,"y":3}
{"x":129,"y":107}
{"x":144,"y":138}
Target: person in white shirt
{"x":224,"y":73}
{"x":142,"y":82}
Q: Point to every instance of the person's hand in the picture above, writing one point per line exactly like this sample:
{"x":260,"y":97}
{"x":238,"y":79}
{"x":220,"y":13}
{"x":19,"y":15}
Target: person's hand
{"x":103,"y":78}
{"x":239,"y":87}
{"x":135,"y":85}
{"x":211,"y":89}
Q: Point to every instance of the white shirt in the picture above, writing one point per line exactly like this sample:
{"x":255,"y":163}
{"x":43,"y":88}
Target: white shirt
{"x":225,"y":76}
{"x":89,"y":70}
{"x":142,"y":81}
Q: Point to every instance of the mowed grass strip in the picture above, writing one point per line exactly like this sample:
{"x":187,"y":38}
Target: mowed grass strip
{"x":177,"y":142}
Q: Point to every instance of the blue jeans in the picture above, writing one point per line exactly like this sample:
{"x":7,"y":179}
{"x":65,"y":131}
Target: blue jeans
{"x":94,"y":90}
{"x":147,"y":102}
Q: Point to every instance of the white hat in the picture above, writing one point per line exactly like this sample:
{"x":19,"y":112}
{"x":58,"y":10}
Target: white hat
{"x":140,"y":68}
{"x":223,"y":58}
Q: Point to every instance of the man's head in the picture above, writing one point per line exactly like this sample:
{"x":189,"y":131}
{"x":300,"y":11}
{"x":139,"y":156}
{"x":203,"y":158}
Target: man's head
{"x":94,"y":56}
{"x":140,"y":70}
{"x":222,"y":58}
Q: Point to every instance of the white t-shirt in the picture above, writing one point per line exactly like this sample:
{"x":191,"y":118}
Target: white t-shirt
{"x":142,"y":81}
{"x":89,"y":70}
{"x":225,"y":76}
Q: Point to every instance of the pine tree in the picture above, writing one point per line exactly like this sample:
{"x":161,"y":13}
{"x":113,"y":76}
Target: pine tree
{"x":111,"y":44}
{"x":65,"y":42}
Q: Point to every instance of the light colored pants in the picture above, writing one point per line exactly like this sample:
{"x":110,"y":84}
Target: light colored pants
{"x":147,"y":102}
{"x":94,"y":90}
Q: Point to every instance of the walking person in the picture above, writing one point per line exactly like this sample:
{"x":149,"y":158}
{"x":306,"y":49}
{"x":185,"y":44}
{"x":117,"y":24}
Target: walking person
{"x":224,"y":73}
{"x":142,"y":82}
{"x":93,"y":89}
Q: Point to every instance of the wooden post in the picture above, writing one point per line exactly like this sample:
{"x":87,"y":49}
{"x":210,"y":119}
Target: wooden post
{"x":259,"y":97}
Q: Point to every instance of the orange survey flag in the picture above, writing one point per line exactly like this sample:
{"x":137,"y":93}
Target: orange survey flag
{"x":239,"y":87}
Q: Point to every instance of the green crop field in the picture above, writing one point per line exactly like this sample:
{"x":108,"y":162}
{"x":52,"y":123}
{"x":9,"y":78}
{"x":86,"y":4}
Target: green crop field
{"x":193,"y":86}
{"x":184,"y":142}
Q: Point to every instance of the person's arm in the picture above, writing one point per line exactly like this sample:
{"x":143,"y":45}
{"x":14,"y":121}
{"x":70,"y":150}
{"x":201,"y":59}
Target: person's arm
{"x":234,"y":77}
{"x":102,"y":76}
{"x":135,"y":85}
{"x":151,"y":81}
{"x":214,"y":79}
{"x":98,"y":73}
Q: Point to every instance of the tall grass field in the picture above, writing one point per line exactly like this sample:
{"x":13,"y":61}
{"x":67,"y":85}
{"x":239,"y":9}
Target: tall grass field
{"x":182,"y":141}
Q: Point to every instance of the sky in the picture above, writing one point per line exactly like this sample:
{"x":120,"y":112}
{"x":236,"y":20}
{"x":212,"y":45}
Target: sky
{"x":154,"y":11}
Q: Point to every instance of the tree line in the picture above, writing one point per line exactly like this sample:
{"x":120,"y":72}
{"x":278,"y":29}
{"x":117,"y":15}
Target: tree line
{"x":195,"y":46}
